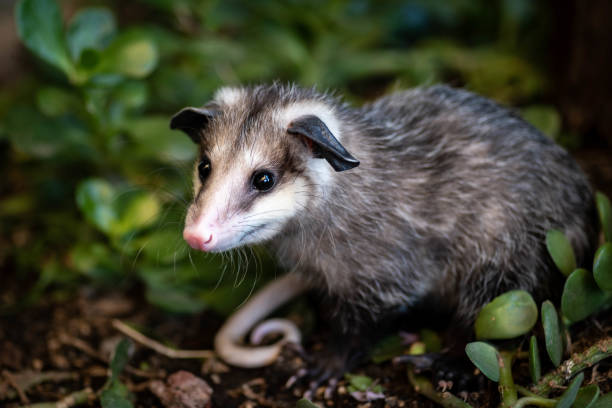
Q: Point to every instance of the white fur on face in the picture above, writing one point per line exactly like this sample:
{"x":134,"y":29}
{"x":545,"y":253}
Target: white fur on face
{"x":229,"y":95}
{"x":224,"y":192}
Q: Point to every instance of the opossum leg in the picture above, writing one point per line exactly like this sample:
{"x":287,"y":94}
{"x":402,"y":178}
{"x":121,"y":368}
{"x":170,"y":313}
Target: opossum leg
{"x":229,"y":337}
{"x":351,"y":338}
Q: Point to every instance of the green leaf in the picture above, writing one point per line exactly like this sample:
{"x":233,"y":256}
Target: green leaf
{"x":605,"y":401}
{"x":115,"y":396}
{"x":604,"y":207}
{"x":359,"y":382}
{"x":40,"y":27}
{"x":62,"y":137}
{"x":587,"y":396}
{"x":561,"y":251}
{"x":581,"y":296}
{"x":155,"y":139}
{"x":485,"y":357}
{"x":136,"y":210}
{"x":96,"y":261}
{"x":569,"y":396}
{"x":552,"y":333}
{"x":53,"y":101}
{"x":509,"y":315}
{"x":362,"y":383}
{"x":602,"y":267}
{"x":535,"y":366}
{"x":95,"y":198}
{"x":120,"y":358}
{"x":91,"y":28}
{"x":131,"y":54}
{"x":164,"y":245}
{"x":304,"y":403}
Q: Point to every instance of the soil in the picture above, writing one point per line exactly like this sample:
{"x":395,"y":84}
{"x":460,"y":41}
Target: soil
{"x":68,"y":344}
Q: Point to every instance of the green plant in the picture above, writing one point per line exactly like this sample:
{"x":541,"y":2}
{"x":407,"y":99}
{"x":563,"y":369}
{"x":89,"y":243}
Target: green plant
{"x":514,"y":314}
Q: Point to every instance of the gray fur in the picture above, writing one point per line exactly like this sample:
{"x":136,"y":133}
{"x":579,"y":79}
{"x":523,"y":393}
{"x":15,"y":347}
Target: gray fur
{"x":451,"y":201}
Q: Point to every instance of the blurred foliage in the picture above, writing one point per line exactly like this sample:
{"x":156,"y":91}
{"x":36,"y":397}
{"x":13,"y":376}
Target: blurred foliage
{"x":95,"y":184}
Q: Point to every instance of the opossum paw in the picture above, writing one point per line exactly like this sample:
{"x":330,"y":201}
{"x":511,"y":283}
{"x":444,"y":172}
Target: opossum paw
{"x":321,"y":374}
{"x":457,"y":374}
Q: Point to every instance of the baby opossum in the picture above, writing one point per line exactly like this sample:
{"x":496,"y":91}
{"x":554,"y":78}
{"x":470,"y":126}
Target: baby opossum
{"x":429,"y":196}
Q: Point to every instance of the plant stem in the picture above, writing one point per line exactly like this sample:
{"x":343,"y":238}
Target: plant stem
{"x":527,"y":393}
{"x":506,"y":382}
{"x":539,"y":401}
{"x":578,"y":362}
{"x":426,"y":388}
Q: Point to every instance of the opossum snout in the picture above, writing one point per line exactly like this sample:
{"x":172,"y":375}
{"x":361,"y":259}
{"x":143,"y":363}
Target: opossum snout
{"x":200,"y":240}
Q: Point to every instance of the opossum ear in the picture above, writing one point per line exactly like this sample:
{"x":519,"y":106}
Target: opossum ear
{"x":193,"y":120}
{"x":325,"y":144}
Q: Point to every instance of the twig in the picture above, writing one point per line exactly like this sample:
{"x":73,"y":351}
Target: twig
{"x":157,"y":346}
{"x":578,"y":362}
{"x":425,"y":388}
{"x":76,"y":398}
{"x":11,"y":380}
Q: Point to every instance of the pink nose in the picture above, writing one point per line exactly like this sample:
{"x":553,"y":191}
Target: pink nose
{"x":197,"y":240}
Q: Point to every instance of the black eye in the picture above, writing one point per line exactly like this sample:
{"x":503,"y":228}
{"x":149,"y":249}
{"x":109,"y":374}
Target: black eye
{"x":263,"y":180}
{"x":204,"y":169}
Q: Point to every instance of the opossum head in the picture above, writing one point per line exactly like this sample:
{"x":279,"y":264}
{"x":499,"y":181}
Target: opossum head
{"x":266,"y":155}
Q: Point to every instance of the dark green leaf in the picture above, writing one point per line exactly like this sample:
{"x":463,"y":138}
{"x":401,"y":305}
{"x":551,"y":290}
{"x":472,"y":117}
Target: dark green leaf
{"x":535,"y":367}
{"x":604,"y":207}
{"x":91,"y":28}
{"x":485,"y":358}
{"x":587,"y":396}
{"x":509,"y":315}
{"x":46,"y":137}
{"x":552,"y":333}
{"x":54,"y":101}
{"x":581,"y":296}
{"x":604,"y":401}
{"x":40,"y":27}
{"x":569,"y":396}
{"x":120,"y":358}
{"x":96,"y":261}
{"x":89,"y":59}
{"x":561,"y":251}
{"x":115,"y":396}
{"x":602,"y":267}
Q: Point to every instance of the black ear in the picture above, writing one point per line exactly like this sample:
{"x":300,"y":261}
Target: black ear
{"x":325,"y":143}
{"x":192,"y":121}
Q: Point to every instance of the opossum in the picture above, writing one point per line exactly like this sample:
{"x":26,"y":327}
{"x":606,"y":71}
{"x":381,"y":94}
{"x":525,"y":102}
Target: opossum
{"x":431,"y":196}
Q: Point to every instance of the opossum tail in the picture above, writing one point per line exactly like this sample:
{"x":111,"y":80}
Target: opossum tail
{"x":273,"y":295}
